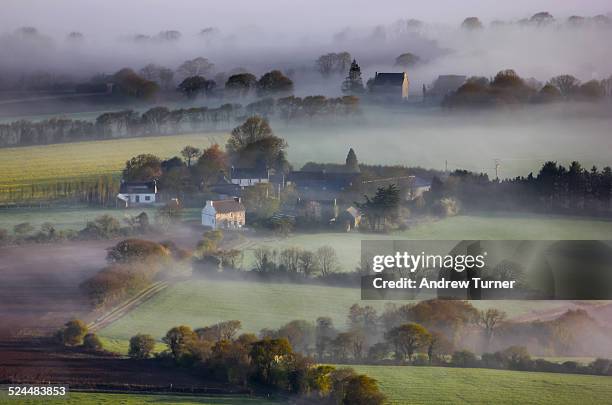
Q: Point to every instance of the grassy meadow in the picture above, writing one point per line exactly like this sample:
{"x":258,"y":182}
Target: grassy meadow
{"x":203,"y":302}
{"x":444,"y":385}
{"x":95,"y":398}
{"x":489,"y":227}
{"x":23,"y":166}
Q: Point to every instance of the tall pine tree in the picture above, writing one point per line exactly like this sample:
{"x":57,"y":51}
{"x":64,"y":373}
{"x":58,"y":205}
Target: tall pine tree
{"x":352,"y":164}
{"x":353,"y":83}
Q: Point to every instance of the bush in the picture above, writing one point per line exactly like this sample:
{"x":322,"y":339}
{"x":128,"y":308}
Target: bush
{"x":464,"y":358}
{"x":92,"y":341}
{"x":446,"y":207}
{"x":23,"y":229}
{"x":73,"y":332}
{"x":131,"y":250}
{"x":141,"y":346}
{"x":103,"y":227}
{"x":602,"y":366}
{"x":117,"y":281}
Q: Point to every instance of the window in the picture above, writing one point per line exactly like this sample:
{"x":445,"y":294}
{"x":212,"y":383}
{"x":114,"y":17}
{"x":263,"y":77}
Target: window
{"x":137,"y":198}
{"x":147,"y":198}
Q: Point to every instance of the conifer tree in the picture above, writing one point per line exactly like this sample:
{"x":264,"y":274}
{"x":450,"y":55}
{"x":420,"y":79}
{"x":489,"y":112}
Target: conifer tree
{"x":353,"y":83}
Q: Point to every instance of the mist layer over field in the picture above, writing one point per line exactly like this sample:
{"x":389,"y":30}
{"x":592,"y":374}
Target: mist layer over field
{"x":259,"y":36}
{"x":523,"y":139}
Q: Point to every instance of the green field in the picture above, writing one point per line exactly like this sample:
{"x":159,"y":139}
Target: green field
{"x":443,"y":385}
{"x":412,"y":385}
{"x":199,"y":303}
{"x":39,"y":164}
{"x":508,"y":227}
{"x":83,"y":398}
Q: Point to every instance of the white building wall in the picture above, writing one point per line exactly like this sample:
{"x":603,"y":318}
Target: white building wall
{"x":208,"y":215}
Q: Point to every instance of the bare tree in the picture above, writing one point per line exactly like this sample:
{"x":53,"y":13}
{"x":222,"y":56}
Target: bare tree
{"x":190,"y":152}
{"x":566,"y":84}
{"x":490,"y":320}
{"x":327,"y":260}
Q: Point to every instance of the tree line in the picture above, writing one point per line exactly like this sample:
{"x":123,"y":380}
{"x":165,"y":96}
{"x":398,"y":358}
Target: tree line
{"x":507,"y":87}
{"x":163,"y":121}
{"x":555,"y":188}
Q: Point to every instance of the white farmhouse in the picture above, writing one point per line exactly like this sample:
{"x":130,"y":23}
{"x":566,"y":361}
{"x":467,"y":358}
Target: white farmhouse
{"x":224,"y":214}
{"x":137,"y":193}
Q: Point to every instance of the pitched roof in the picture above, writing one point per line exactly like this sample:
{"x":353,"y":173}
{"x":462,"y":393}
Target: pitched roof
{"x":132,"y":187}
{"x":226,"y":206}
{"x":420,"y":182}
{"x":249,"y":173}
{"x":389,"y":79}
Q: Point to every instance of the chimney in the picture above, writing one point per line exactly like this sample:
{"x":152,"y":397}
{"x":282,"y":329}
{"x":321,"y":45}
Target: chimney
{"x":209,"y":203}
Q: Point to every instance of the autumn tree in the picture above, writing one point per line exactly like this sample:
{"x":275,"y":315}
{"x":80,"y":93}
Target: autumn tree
{"x":407,"y":339}
{"x":274,"y":83}
{"x":145,"y":167}
{"x":141,"y":346}
{"x":179,"y":340}
{"x":211,"y":164}
{"x":253,"y":143}
{"x":266,"y":355}
{"x":241,"y":85}
{"x":73,"y":332}
{"x":194,"y":86}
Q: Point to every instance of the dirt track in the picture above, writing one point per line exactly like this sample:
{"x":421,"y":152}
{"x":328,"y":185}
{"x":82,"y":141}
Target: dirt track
{"x":39,"y":283}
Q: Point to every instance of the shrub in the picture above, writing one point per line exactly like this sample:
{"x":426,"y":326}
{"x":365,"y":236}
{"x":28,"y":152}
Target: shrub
{"x":446,"y":207}
{"x":602,"y":366}
{"x":464,"y":358}
{"x":22,"y":229}
{"x":130,"y":250}
{"x":141,"y":346}
{"x":92,"y":341}
{"x":73,"y":332}
{"x":103,"y":227}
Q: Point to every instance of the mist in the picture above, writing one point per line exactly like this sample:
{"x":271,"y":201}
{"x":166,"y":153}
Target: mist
{"x":259,"y":37}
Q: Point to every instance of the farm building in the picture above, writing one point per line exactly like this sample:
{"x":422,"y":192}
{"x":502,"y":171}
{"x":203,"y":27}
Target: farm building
{"x":320,"y":185}
{"x":416,"y":187}
{"x":317,"y":210}
{"x":137,"y":193}
{"x":349,"y":219}
{"x":245,"y":177}
{"x":389,"y":86}
{"x":224,"y":214}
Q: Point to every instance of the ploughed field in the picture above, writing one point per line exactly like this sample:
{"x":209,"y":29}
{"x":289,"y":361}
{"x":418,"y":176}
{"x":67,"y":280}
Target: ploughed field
{"x":96,"y":398}
{"x":445,"y":385}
